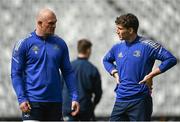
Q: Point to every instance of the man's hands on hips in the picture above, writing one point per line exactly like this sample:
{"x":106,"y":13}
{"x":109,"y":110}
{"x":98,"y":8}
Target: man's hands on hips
{"x":25,"y":107}
{"x":75,"y":108}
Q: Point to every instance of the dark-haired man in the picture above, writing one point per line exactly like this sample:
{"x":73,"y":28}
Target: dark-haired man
{"x":89,"y":85}
{"x":130,"y":62}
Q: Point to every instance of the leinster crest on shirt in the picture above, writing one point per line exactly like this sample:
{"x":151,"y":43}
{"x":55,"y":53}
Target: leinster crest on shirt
{"x":137,"y":53}
{"x":35,"y":49}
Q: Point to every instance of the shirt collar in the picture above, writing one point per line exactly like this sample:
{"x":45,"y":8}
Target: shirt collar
{"x":133,"y":42}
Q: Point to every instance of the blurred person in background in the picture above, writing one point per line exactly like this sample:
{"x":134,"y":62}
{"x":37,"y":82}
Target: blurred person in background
{"x":89,"y":85}
{"x":36,"y":61}
{"x":130,"y":62}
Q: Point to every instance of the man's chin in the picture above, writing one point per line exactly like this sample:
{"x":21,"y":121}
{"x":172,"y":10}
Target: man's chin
{"x":50,"y":34}
{"x":120,"y":38}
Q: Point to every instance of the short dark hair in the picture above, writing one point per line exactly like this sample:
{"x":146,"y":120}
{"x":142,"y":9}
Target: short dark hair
{"x":128,"y":21}
{"x":83,"y":45}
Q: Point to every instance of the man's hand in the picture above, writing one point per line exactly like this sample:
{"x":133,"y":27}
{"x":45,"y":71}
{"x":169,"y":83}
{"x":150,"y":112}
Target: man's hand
{"x":116,"y":76}
{"x":75,"y":108}
{"x":148,"y":79}
{"x":25,"y":107}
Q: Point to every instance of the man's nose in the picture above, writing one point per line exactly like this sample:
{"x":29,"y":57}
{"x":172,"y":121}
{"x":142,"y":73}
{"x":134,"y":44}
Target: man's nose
{"x":117,"y":31}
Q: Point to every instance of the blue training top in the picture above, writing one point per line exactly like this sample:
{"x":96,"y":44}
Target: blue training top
{"x":35,"y":69}
{"x":134,"y":61}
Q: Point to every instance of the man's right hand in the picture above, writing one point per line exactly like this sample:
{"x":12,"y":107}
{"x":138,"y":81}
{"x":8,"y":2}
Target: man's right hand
{"x":114,"y":73}
{"x":25,"y":107}
{"x":116,"y":76}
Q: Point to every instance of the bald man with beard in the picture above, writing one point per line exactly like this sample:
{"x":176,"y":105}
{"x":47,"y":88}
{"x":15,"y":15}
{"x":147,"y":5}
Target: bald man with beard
{"x":35,"y":71}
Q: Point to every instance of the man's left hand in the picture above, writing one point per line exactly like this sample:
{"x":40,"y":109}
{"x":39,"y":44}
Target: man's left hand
{"x":75,"y":108}
{"x":148,"y":80}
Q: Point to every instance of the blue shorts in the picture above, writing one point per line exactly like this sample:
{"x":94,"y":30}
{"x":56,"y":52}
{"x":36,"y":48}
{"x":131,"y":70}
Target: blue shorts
{"x":140,"y":110}
{"x":44,"y":111}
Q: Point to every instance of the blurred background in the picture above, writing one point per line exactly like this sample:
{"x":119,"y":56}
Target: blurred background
{"x":94,"y":19}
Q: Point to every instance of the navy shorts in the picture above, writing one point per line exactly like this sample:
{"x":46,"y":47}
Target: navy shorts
{"x":44,"y":111}
{"x":133,"y":111}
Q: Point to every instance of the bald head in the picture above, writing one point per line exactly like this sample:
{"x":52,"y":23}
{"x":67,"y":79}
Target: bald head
{"x":44,"y":13}
{"x":45,"y":22}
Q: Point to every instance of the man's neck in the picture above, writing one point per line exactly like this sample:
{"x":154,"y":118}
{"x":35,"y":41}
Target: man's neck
{"x":132,"y":38}
{"x":40,"y":34}
{"x":80,"y":55}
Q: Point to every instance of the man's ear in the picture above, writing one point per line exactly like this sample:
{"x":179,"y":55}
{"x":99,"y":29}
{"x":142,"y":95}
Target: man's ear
{"x":131,"y":30}
{"x":39,"y":23}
